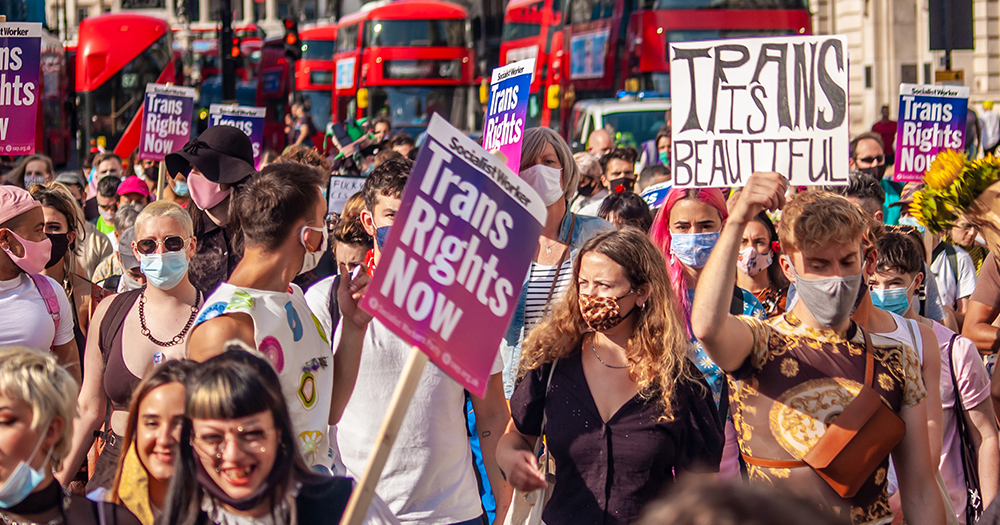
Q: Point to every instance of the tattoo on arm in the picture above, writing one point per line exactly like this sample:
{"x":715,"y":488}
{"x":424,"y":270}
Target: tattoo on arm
{"x":486,"y":434}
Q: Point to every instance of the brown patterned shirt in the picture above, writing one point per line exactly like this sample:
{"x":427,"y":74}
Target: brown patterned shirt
{"x":795,"y":382}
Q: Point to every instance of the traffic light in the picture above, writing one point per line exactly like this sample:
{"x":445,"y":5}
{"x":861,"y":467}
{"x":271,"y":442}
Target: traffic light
{"x":293,"y":48}
{"x":235,"y":51}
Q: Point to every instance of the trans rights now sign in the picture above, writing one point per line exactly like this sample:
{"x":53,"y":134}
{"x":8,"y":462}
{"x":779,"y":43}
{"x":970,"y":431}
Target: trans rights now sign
{"x":931,"y":119}
{"x":507,"y":110}
{"x":20,"y":62}
{"x":246,"y":119}
{"x":759,"y":104}
{"x":454,"y":262}
{"x":166,"y":120}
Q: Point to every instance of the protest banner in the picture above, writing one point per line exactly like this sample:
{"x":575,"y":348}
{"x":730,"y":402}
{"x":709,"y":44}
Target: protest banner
{"x":20,"y":63}
{"x":931,"y":119}
{"x":507,"y":110}
{"x":341,"y":189}
{"x":759,"y":104}
{"x":248,"y":120}
{"x":166,"y":120}
{"x":450,"y":274}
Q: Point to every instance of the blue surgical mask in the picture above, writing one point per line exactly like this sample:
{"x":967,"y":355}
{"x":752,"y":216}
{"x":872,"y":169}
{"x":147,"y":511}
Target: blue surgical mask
{"x":24,"y":479}
{"x":911,"y":221}
{"x":164,"y":270}
{"x":693,"y":249}
{"x":891,"y":299}
{"x":665,"y":159}
{"x":380,"y":236}
{"x":181,"y":189}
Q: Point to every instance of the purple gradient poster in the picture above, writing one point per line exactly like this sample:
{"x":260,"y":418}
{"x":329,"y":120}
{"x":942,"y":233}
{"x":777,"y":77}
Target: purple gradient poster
{"x":507,"y":109}
{"x":453,"y":265}
{"x":248,"y":120}
{"x":166,"y":120}
{"x":20,"y":60}
{"x":931,"y":119}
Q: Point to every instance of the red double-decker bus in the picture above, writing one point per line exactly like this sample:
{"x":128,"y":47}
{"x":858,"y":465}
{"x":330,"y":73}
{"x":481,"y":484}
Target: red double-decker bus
{"x":52,"y":130}
{"x":533,"y":29}
{"x":314,"y":74}
{"x":273,"y":85}
{"x":615,"y":45}
{"x":117,"y":55}
{"x":407,"y":59}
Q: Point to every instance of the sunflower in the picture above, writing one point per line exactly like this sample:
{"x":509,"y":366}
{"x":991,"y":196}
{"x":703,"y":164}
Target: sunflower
{"x":947,"y":167}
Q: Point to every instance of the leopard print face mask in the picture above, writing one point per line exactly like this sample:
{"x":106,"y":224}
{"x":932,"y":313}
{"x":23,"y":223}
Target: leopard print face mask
{"x":602,"y":313}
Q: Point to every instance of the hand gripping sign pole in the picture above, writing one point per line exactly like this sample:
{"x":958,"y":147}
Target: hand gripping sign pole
{"x":450,"y":274}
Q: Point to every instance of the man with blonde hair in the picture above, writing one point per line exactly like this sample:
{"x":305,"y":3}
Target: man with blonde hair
{"x":796,"y":374}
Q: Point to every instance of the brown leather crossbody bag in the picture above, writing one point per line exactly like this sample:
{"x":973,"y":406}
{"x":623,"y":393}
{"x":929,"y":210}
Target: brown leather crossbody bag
{"x":855,"y":443}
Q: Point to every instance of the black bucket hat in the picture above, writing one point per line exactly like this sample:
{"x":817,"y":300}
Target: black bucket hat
{"x":223,"y":154}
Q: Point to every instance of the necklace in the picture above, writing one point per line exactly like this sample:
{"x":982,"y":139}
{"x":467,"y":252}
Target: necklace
{"x":66,"y":500}
{"x":594,"y":348}
{"x":177,"y":338}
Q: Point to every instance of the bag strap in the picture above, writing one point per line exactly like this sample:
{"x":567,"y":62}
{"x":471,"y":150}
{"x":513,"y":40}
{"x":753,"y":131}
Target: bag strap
{"x":970,"y":466}
{"x":538,"y":444}
{"x":869,"y":357}
{"x":49,"y":296}
{"x":114,"y":319}
{"x":559,"y":265}
{"x":950,"y":253}
{"x":334,"y":306}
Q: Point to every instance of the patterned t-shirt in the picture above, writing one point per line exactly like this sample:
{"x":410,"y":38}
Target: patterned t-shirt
{"x":795,"y":382}
{"x":293,"y":340}
{"x":713,"y":374}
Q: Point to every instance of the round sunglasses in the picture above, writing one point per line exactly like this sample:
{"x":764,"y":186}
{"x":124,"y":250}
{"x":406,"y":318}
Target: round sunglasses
{"x":174,"y":243}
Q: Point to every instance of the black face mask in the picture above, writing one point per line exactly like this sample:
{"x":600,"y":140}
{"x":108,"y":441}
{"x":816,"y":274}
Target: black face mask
{"x":874,"y":171}
{"x":60,"y":244}
{"x":588,"y":190}
{"x":622,"y":185}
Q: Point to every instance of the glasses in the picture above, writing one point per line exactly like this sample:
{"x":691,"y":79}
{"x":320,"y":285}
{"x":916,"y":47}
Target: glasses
{"x":109,"y":207}
{"x":173,"y":243}
{"x":251,"y":441}
{"x":877,"y":159}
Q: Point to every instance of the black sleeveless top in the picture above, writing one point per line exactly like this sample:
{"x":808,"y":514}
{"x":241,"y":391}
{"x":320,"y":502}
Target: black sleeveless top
{"x":47,"y":504}
{"x":119,"y":381}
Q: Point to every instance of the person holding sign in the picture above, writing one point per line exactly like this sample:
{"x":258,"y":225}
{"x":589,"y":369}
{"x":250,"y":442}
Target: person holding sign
{"x":648,"y":418}
{"x":816,"y":352}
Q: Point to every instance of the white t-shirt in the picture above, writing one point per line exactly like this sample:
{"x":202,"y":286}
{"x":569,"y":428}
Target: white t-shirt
{"x":428,"y":477}
{"x":953,"y":289}
{"x":537,"y":305}
{"x":292,"y":338}
{"x":24,"y":319}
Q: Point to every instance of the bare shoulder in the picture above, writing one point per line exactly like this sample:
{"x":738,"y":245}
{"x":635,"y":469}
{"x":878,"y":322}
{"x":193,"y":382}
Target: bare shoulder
{"x":210,"y":337}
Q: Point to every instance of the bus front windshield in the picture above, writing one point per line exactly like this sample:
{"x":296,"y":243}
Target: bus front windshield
{"x":318,"y":49}
{"x":415,"y":105}
{"x":319,"y":104}
{"x":415,"y":33}
{"x":632,"y":128}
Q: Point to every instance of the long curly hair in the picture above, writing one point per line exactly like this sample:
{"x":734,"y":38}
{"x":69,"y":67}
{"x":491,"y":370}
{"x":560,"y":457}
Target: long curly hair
{"x":658,"y":347}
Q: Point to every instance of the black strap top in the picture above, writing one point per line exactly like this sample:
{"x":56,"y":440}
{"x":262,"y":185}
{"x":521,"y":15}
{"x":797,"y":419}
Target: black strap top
{"x":119,"y":381}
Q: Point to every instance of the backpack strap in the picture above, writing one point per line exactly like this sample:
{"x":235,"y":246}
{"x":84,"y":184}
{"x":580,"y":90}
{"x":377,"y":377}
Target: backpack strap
{"x":113,"y":320}
{"x":737,"y":305}
{"x":334,"y":306}
{"x":950,"y":253}
{"x":49,"y":296}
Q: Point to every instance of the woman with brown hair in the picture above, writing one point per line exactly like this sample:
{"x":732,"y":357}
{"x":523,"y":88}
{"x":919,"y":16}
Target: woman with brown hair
{"x":624,"y":409}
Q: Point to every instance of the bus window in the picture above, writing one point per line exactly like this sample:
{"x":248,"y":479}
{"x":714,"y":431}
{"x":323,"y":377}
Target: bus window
{"x":318,"y":49}
{"x":582,"y":11}
{"x":347,"y":38}
{"x":415,"y":33}
{"x":318,"y":103}
{"x":731,"y":4}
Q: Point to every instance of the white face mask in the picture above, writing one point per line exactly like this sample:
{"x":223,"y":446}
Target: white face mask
{"x":546,"y":181}
{"x":311,"y":259}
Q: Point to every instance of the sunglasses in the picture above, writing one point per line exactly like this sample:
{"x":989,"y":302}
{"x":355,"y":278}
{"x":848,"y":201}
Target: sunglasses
{"x":173,"y":243}
{"x":879,"y":159}
{"x":109,"y":207}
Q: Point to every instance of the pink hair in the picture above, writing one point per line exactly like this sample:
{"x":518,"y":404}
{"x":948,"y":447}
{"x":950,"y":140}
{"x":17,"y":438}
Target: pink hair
{"x":659,"y":233}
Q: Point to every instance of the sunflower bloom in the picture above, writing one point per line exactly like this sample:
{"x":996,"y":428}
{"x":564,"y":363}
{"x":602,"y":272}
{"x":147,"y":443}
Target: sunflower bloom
{"x":948,"y":165}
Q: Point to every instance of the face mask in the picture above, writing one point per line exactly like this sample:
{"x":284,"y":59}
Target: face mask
{"x":127,"y":283}
{"x":36,"y":254}
{"x":60,"y":244}
{"x":752,"y":262}
{"x":874,"y":171}
{"x":546,"y":181}
{"x":829,"y":299}
{"x":622,"y":185}
{"x":93,"y":173}
{"x":140,"y":171}
{"x":381,"y":234}
{"x":665,"y":159}
{"x":107,"y":215}
{"x":23,"y":479}
{"x":586,"y":190}
{"x":602,"y":313}
{"x":164,"y":270}
{"x":892,"y":299}
{"x":312,"y":258}
{"x":31,"y":180}
{"x":181,"y":189}
{"x":911,"y":221}
{"x":205,"y":193}
{"x":693,"y":249}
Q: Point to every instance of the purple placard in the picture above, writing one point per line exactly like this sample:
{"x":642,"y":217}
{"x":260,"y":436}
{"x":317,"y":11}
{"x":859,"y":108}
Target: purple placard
{"x":507,"y":110}
{"x":20,"y":60}
{"x":166,"y":120}
{"x":454,"y":262}
{"x":248,"y":120}
{"x":931,"y":119}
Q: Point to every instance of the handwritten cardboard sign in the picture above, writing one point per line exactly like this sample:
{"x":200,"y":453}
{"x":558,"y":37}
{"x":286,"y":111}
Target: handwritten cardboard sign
{"x":759,"y":104}
{"x":931,"y":119}
{"x":454,"y":262}
{"x":20,"y":62}
{"x":507,"y":110}
{"x":166,"y":120}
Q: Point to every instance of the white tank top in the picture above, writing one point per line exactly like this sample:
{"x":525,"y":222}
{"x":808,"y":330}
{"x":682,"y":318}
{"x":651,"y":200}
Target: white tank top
{"x":907,"y":332}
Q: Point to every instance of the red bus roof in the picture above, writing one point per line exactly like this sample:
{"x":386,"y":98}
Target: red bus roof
{"x":408,"y":10}
{"x":108,"y":42}
{"x":517,"y":4}
{"x":323,"y":32}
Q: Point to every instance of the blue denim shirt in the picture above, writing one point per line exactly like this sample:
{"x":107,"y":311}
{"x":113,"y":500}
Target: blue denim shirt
{"x":510,"y":347}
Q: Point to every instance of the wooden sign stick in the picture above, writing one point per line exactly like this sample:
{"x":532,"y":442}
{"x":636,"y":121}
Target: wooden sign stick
{"x":361,"y":497}
{"x":161,"y":179}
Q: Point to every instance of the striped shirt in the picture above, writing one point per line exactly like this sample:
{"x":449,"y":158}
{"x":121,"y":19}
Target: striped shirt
{"x":539,"y":283}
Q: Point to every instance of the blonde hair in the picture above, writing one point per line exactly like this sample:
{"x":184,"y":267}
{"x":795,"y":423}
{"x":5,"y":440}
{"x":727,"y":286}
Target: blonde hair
{"x":589,"y":165}
{"x":814,"y":219}
{"x":658,"y":347}
{"x":165,"y":209}
{"x":532,"y":146}
{"x":36,"y":379}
